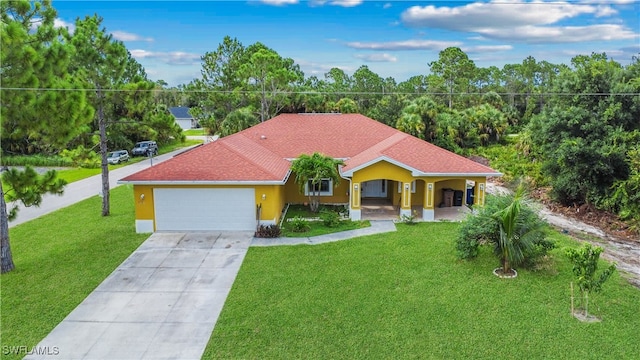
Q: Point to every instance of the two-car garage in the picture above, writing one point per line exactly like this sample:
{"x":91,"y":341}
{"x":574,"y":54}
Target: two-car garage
{"x":204,"y":209}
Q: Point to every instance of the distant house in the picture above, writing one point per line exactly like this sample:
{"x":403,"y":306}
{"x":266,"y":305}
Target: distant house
{"x":243,"y":179}
{"x":183,"y":118}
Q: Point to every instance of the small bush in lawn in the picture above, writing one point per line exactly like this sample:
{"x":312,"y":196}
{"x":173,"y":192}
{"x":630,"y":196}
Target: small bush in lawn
{"x":298,"y":224}
{"x":330,"y":218}
{"x":268,"y":231}
{"x":474,"y":231}
{"x":409,"y":219}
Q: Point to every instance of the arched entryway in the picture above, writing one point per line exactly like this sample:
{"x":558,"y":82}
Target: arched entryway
{"x":377,"y":200}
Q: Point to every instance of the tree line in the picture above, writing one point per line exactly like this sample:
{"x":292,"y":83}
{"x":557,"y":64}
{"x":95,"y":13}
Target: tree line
{"x":80,"y":90}
{"x":578,"y":120}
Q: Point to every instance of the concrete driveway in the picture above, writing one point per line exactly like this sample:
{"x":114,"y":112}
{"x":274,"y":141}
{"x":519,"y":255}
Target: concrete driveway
{"x":160,"y":303}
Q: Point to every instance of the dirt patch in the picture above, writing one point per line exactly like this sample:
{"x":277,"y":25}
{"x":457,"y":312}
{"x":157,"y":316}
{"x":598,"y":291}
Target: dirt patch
{"x":607,"y":222}
{"x":580,"y":315}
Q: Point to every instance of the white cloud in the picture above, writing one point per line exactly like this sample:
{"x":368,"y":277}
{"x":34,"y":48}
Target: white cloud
{"x":318,"y":69}
{"x":485,"y":48}
{"x":126,"y":36}
{"x":605,"y":11}
{"x":171,"y":57}
{"x":497,"y":14}
{"x":343,"y":3}
{"x":516,"y":20}
{"x":384,"y":57}
{"x":403,"y":45}
{"x":59,"y":23}
{"x":566,"y":34}
{"x":386,"y":6}
{"x":279,"y":2}
{"x":612,"y":2}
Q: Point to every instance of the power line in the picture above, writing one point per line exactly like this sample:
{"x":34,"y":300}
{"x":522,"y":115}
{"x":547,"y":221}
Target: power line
{"x":306,"y":92}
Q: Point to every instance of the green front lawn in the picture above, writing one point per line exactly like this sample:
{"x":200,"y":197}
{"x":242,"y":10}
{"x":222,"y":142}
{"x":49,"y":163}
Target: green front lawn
{"x":60,"y":258}
{"x":405,"y":295}
{"x":316,"y":227}
{"x":194,"y":132}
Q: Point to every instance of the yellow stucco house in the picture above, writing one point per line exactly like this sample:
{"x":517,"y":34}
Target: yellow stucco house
{"x":242,"y":180}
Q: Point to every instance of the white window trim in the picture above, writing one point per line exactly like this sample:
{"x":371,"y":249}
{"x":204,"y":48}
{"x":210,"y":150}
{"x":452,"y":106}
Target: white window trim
{"x":322,"y":193}
{"x":413,"y":187}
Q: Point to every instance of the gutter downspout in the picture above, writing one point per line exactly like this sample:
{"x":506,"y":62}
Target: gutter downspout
{"x":350,"y":188}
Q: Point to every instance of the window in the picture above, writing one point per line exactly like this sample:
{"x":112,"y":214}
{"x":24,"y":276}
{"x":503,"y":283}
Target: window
{"x":325,"y":186}
{"x":413,"y":187}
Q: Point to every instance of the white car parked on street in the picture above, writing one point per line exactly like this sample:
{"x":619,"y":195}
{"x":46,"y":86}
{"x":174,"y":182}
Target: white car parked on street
{"x":116,"y":157}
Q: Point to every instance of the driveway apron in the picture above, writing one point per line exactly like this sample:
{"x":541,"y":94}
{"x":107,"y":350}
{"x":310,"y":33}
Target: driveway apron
{"x":160,"y":303}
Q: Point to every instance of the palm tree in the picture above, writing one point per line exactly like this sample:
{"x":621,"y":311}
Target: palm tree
{"x":310,"y":170}
{"x":519,"y":231}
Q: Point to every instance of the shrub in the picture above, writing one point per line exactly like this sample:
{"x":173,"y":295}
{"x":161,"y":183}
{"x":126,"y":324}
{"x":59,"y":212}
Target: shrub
{"x":539,"y":249}
{"x":409,"y":219}
{"x":484,"y":228}
{"x":475,"y":231}
{"x":298,"y":224}
{"x":330,"y":218}
{"x":515,"y":163}
{"x":343,"y":210}
{"x":81,"y":157}
{"x":268,"y":231}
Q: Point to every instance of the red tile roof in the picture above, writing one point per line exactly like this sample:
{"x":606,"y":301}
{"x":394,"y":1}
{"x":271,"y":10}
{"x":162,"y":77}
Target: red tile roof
{"x":263,"y":152}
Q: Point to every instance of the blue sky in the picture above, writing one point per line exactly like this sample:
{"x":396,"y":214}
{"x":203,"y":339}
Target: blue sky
{"x":393,"y":38}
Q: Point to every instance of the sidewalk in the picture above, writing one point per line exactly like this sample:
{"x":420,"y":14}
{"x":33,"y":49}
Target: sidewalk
{"x":84,"y":189}
{"x":377,"y":227}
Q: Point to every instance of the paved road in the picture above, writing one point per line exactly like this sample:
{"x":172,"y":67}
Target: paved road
{"x":84,"y":189}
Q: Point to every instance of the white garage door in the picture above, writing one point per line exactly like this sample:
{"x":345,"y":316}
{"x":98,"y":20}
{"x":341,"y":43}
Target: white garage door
{"x":205,"y":209}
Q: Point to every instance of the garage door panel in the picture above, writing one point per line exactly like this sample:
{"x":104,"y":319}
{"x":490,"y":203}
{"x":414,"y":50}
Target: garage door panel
{"x":204,"y":209}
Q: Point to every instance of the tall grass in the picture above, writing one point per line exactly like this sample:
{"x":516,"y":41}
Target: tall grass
{"x":34,"y":160}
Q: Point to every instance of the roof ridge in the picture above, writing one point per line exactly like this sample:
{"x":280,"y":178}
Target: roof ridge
{"x":384,"y":144}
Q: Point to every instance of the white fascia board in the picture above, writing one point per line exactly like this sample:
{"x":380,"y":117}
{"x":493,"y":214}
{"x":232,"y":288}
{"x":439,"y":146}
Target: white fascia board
{"x":456,"y":174}
{"x":276,"y":182}
{"x":286,"y":177}
{"x":378,"y":159}
{"x":414,"y":172}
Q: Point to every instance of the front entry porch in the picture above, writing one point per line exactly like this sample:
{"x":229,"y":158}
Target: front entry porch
{"x":453,"y":213}
{"x":378,"y":209}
